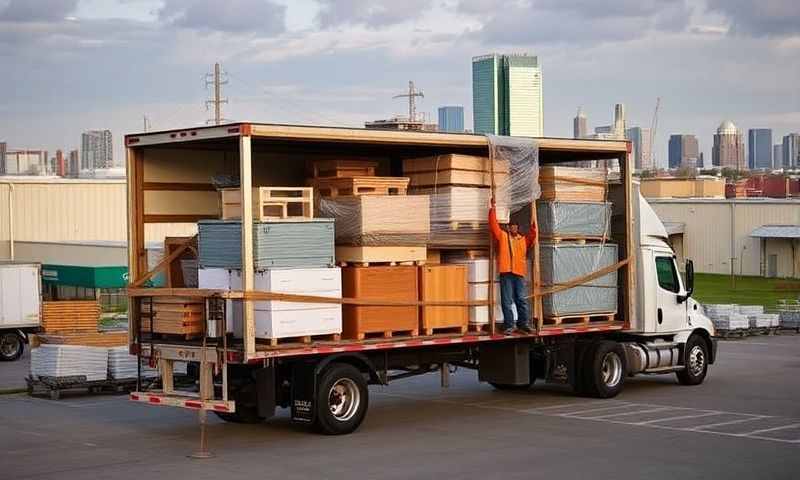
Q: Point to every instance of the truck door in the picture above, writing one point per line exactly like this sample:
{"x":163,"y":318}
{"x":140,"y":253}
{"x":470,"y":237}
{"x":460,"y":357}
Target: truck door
{"x":670,"y":315}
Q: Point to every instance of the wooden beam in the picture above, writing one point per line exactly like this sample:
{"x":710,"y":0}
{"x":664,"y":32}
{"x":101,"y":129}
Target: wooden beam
{"x":626,"y":171}
{"x":248,"y":281}
{"x":137,"y":259}
{"x":179,"y":186}
{"x":157,"y":218}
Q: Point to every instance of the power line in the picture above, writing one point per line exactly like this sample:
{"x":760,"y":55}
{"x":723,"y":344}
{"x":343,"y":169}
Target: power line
{"x":217,"y":101}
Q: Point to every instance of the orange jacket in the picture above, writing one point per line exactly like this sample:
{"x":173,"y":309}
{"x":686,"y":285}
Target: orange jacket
{"x":511,"y":250}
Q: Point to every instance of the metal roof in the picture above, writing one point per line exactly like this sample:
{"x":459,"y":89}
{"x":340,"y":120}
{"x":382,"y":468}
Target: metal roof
{"x":776,"y":231}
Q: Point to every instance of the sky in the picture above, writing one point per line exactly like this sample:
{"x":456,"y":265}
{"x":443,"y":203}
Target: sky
{"x":75,"y":65}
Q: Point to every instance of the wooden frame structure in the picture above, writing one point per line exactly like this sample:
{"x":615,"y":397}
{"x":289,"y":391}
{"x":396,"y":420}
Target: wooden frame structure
{"x":162,"y":192}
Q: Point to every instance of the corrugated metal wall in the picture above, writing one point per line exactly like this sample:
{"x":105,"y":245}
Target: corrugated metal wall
{"x":710,"y":226}
{"x":52,"y":211}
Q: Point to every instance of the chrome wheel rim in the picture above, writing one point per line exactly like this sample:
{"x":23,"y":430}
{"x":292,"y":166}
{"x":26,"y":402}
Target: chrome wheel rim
{"x":611,"y":369}
{"x":697,"y":360}
{"x":9,"y":345}
{"x":344,"y":398}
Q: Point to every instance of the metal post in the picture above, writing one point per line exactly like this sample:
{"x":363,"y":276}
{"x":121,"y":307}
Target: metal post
{"x":202,"y":452}
{"x":492,"y":326}
{"x":445,"y":371}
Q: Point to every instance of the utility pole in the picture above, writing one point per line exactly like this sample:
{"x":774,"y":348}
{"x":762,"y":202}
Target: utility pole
{"x":217,"y":101}
{"x":146,"y":122}
{"x":412,"y":95}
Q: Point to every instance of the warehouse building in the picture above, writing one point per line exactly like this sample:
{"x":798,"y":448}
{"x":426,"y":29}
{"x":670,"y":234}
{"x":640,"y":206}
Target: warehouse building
{"x":758,"y":236}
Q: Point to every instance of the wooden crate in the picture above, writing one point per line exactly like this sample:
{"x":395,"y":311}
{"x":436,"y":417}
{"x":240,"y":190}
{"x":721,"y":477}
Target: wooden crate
{"x":388,"y":255}
{"x":70,"y":316}
{"x":174,"y":316}
{"x":443,"y":283}
{"x":572,"y":184}
{"x":379,"y":220}
{"x":338,"y":187}
{"x":270,"y":203}
{"x":344,"y":168}
{"x":382,"y":283}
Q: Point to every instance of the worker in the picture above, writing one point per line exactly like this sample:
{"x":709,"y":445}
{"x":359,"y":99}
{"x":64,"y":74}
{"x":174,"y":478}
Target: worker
{"x":512,"y":264}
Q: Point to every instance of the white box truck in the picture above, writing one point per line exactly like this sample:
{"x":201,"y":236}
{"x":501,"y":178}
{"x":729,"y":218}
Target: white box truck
{"x":20,"y":307}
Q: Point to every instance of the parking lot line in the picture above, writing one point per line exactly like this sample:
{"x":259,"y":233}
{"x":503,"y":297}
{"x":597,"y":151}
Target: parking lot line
{"x":601,"y":417}
{"x":681,"y":417}
{"x":765,"y":430}
{"x":732,"y":422}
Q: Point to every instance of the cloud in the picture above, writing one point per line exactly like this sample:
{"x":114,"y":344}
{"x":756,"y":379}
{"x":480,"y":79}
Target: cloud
{"x":256,"y":16}
{"x":37,"y":10}
{"x":371,"y":13}
{"x":576,"y":21}
{"x":760,"y":18}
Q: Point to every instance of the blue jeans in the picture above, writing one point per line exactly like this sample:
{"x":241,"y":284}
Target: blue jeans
{"x":513,"y":292}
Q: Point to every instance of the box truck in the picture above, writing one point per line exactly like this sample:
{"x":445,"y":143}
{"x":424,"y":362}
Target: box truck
{"x":20,"y":307}
{"x":658,"y":327}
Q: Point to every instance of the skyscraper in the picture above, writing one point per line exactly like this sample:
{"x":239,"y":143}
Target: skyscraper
{"x":791,"y":150}
{"x":3,"y":148}
{"x":74,"y":166}
{"x":777,"y":155}
{"x":642,"y":150}
{"x":759,"y":148}
{"x":507,"y":95}
{"x":684,"y":151}
{"x":579,"y":129}
{"x":60,"y":167}
{"x":97,"y":150}
{"x":451,"y":119}
{"x":619,"y":120}
{"x":728,"y":150}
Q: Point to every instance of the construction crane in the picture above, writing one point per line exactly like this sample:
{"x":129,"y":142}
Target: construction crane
{"x":653,"y":127}
{"x":412,"y":95}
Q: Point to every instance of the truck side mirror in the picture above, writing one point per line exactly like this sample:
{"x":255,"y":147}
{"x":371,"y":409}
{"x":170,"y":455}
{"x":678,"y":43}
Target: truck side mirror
{"x":689,"y":278}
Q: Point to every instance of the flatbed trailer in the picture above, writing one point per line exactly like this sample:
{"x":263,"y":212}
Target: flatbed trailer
{"x":325,"y":383}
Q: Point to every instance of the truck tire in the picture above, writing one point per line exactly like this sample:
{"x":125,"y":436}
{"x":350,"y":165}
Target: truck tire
{"x":604,"y":370}
{"x":246,"y":406}
{"x":342,"y":399}
{"x":695,"y":359}
{"x":12,"y":345}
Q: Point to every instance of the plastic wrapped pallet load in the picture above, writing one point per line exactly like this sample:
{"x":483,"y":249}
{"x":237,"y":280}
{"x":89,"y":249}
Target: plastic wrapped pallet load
{"x":122,"y":365}
{"x":764,"y":320}
{"x":559,"y":219}
{"x":750,"y":310}
{"x":733,"y":321}
{"x":790,"y":319}
{"x":59,"y":361}
{"x":276,"y":244}
{"x":379,"y":220}
{"x":572,"y":184}
{"x":563,"y":262}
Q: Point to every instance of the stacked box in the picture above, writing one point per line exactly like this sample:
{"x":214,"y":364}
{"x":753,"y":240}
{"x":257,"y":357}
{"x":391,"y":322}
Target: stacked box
{"x":563,"y":262}
{"x":393,"y":283}
{"x":572,"y":184}
{"x":571,"y":219}
{"x":764,"y":320}
{"x":280,"y":319}
{"x":277,"y":244}
{"x":175,"y":315}
{"x":59,"y":361}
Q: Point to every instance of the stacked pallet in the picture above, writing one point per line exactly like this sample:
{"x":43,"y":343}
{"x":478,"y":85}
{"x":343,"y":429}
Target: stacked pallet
{"x":764,"y":320}
{"x":88,"y":339}
{"x":376,"y":222}
{"x":572,"y":184}
{"x":270,"y":203}
{"x":70,"y":316}
{"x":174,"y":316}
{"x":122,"y":365}
{"x":459,"y":187}
{"x":725,"y":317}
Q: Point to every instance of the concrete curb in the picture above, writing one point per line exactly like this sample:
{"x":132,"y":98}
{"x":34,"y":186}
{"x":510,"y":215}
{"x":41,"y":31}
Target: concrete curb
{"x":11,"y":391}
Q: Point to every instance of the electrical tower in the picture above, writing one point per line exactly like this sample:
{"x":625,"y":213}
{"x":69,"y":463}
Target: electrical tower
{"x":653,"y":127}
{"x":216,"y":80}
{"x":412,"y":95}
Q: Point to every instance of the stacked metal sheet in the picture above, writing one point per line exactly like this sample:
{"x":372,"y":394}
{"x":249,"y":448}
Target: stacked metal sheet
{"x":726,"y":316}
{"x":122,"y":365}
{"x":560,"y":219}
{"x":58,"y":361}
{"x":790,"y":319}
{"x":764,"y":320}
{"x":563,"y":262}
{"x":276,"y":244}
{"x":750,"y":310}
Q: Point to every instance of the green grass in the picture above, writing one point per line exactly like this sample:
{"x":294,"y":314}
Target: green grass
{"x":710,"y":288}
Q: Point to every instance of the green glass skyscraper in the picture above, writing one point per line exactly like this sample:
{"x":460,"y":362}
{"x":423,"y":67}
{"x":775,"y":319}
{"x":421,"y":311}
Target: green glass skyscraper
{"x":507,"y":95}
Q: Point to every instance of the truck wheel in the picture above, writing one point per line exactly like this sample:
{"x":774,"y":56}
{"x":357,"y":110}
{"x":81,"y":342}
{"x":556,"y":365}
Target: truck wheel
{"x":696,"y":361}
{"x":11,"y":346}
{"x":246,"y":406}
{"x":342,"y":399}
{"x":604,"y":370}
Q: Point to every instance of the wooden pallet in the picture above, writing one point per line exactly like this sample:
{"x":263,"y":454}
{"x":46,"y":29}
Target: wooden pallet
{"x":354,"y":186}
{"x":461,"y":329}
{"x":580,"y":319}
{"x":454,"y":162}
{"x":464,"y":178}
{"x":95,"y":339}
{"x":737,"y":333}
{"x":365,"y":256}
{"x":579,"y":239}
{"x":70,"y":316}
{"x":344,"y":168}
{"x":271,"y":203}
{"x":386,"y":334}
{"x":305,"y":339}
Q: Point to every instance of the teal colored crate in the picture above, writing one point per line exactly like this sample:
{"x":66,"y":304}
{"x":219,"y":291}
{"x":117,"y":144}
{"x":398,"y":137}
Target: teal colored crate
{"x":307,"y":244}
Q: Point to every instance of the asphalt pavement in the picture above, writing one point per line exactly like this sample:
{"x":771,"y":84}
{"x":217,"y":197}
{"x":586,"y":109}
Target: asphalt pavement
{"x":743,"y":422}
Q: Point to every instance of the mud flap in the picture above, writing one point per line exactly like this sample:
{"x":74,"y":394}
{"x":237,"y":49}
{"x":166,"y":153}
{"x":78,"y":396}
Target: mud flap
{"x":506,"y":363}
{"x":304,"y":388}
{"x":265,"y":391}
